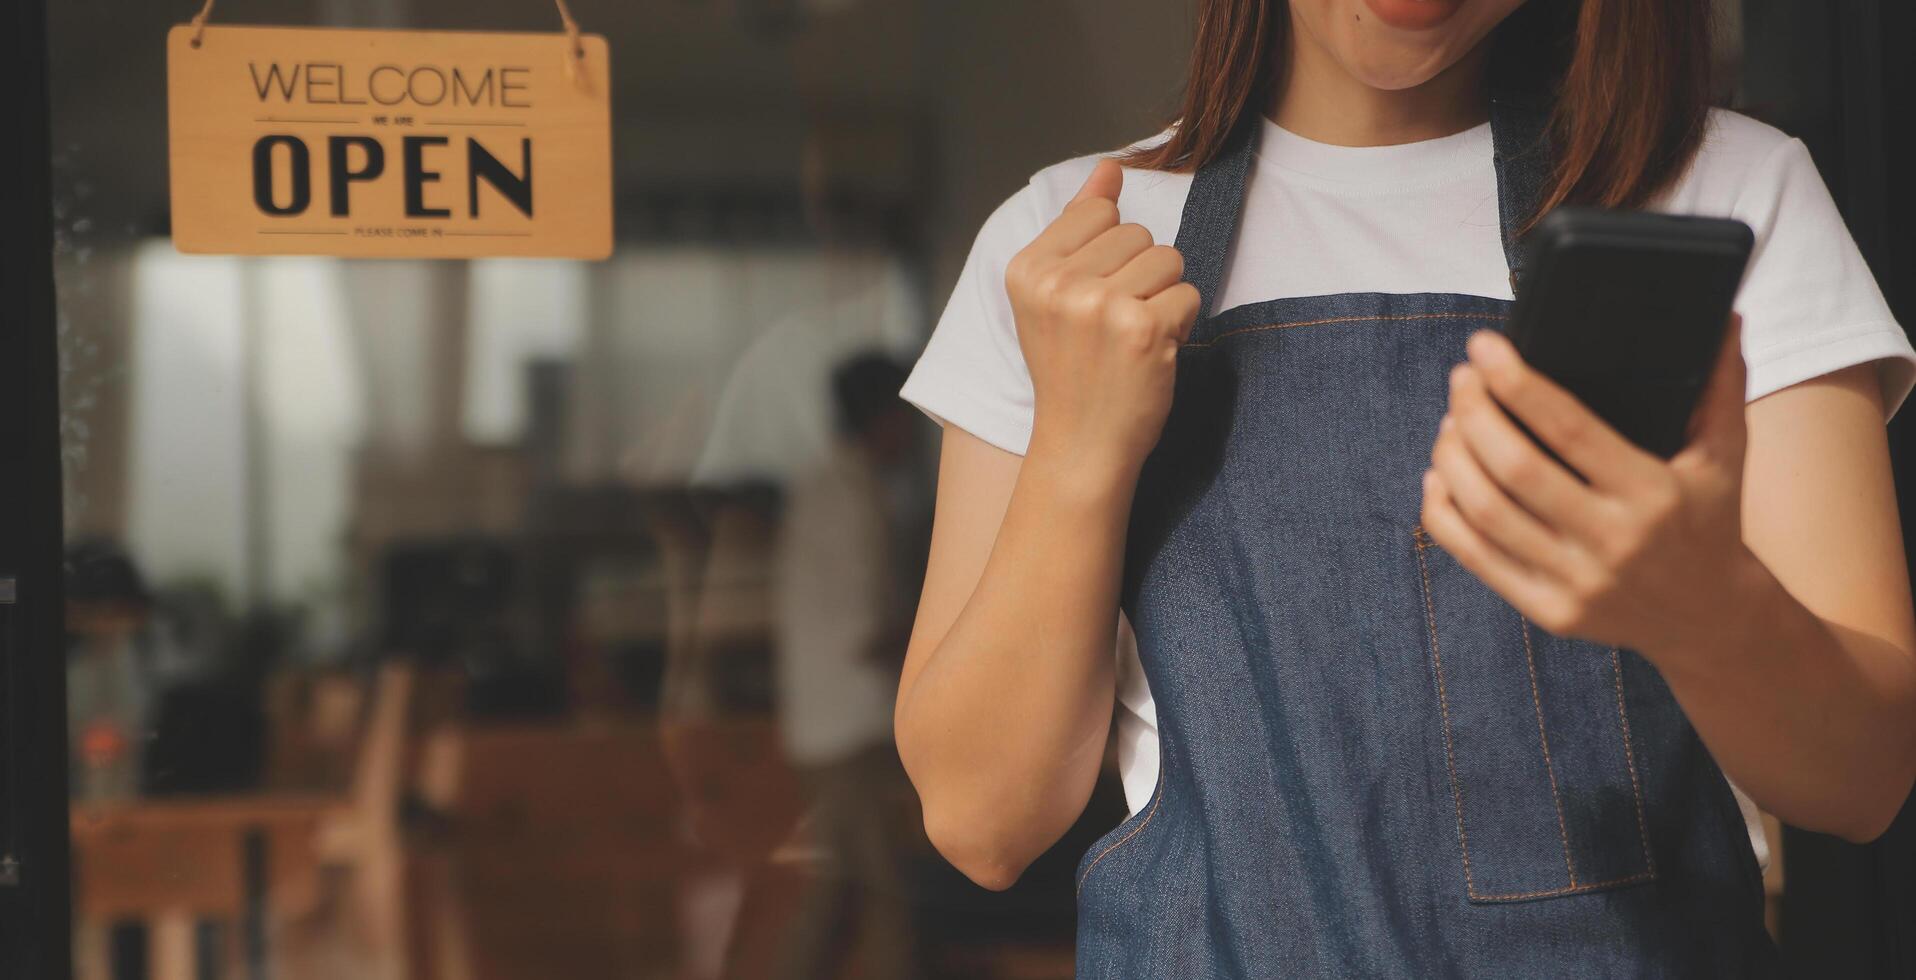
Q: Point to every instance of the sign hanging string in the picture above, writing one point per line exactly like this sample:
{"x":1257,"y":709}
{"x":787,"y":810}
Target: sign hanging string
{"x":199,"y":22}
{"x":571,"y":28}
{"x":565,"y":17}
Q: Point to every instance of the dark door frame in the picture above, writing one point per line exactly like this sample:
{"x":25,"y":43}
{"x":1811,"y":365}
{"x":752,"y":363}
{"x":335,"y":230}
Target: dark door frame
{"x":34,"y":911}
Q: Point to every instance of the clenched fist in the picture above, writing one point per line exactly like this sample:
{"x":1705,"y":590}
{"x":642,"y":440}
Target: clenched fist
{"x":1101,"y":313}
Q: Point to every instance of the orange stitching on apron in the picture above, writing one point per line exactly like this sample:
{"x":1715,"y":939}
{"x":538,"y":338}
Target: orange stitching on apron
{"x":1422,"y":539}
{"x":1347,"y":319}
{"x":1630,"y":758}
{"x":1573,"y":890}
{"x":1156,"y":800}
{"x":1549,"y":767}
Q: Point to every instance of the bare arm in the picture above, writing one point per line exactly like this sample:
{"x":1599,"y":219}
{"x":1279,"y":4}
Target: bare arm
{"x":1811,"y":705}
{"x":1005,"y":700}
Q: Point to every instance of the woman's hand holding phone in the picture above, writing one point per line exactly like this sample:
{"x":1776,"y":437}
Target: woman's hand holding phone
{"x":1639,"y":552}
{"x":1101,"y":312}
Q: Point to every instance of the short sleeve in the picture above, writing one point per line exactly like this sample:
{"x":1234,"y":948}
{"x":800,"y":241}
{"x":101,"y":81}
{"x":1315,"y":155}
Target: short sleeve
{"x":972,"y":373}
{"x":1809,"y":303}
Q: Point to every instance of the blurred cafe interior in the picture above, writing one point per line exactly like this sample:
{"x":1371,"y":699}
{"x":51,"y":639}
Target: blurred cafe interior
{"x":526,"y":618}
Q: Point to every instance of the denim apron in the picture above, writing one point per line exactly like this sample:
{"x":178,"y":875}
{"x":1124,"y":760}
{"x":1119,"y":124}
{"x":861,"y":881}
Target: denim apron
{"x":1370,"y":764}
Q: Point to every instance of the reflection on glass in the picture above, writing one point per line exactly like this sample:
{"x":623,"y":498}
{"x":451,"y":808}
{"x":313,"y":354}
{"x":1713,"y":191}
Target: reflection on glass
{"x":520,"y":618}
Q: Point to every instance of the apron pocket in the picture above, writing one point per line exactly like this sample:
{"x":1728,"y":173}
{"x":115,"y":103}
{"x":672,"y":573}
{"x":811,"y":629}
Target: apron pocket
{"x":1122,"y":837}
{"x":1537,"y":746}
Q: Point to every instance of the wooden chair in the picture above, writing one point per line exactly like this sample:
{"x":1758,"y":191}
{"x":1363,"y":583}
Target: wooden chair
{"x":255,"y":863}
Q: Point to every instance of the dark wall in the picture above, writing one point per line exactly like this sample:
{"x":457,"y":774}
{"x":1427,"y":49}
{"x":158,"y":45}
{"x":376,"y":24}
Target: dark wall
{"x":1839,"y":76}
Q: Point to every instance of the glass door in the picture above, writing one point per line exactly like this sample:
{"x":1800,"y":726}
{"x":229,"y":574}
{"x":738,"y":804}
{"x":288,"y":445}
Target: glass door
{"x":502,"y":618}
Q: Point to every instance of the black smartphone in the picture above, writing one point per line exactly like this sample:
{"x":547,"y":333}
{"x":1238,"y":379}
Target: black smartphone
{"x":1627,"y":310}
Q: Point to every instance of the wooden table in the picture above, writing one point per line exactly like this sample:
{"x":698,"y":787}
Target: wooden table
{"x":244,"y":861}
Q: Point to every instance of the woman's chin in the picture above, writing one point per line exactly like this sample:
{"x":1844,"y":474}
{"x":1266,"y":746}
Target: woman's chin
{"x":1398,"y":74}
{"x":1412,"y":46}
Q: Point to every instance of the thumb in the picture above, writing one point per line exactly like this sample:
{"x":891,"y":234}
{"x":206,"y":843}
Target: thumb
{"x":1106,"y":180}
{"x":1718,"y":421}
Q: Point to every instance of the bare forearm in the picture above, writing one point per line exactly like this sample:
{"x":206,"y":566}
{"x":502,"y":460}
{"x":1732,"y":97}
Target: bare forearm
{"x":1814,"y":721}
{"x":1003,"y":730}
{"x":1003,"y":720}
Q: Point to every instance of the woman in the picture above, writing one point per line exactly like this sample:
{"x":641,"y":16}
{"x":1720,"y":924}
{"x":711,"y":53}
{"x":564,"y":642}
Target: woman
{"x":1409,"y":698}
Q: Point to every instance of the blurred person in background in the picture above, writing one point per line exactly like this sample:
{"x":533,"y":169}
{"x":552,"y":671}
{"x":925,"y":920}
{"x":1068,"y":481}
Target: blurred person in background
{"x":161,"y":699}
{"x":1411,"y":698}
{"x":843,"y":613}
{"x":109,"y":669}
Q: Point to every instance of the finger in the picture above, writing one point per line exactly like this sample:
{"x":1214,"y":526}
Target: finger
{"x":1089,"y":214}
{"x":1491,"y":512}
{"x":1151,"y":272}
{"x":1582,"y":439}
{"x":1505,"y":575}
{"x":1177,"y":307}
{"x":1105,"y":181}
{"x":1110,"y":251}
{"x":1536,"y":482}
{"x":1718,"y":422}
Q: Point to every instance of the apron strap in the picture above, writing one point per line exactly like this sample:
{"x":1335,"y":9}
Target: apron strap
{"x":1211,"y":210}
{"x":1520,"y":140}
{"x":1520,"y":133}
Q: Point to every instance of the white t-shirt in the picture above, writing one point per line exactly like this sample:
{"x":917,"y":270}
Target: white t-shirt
{"x":774,"y":416}
{"x":1416,"y":218}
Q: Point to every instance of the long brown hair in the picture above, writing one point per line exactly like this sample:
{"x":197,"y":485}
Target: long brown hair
{"x":1628,"y":80}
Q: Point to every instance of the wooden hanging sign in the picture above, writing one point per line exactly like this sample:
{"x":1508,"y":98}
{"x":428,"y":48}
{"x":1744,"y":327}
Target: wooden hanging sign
{"x":419,"y":144}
